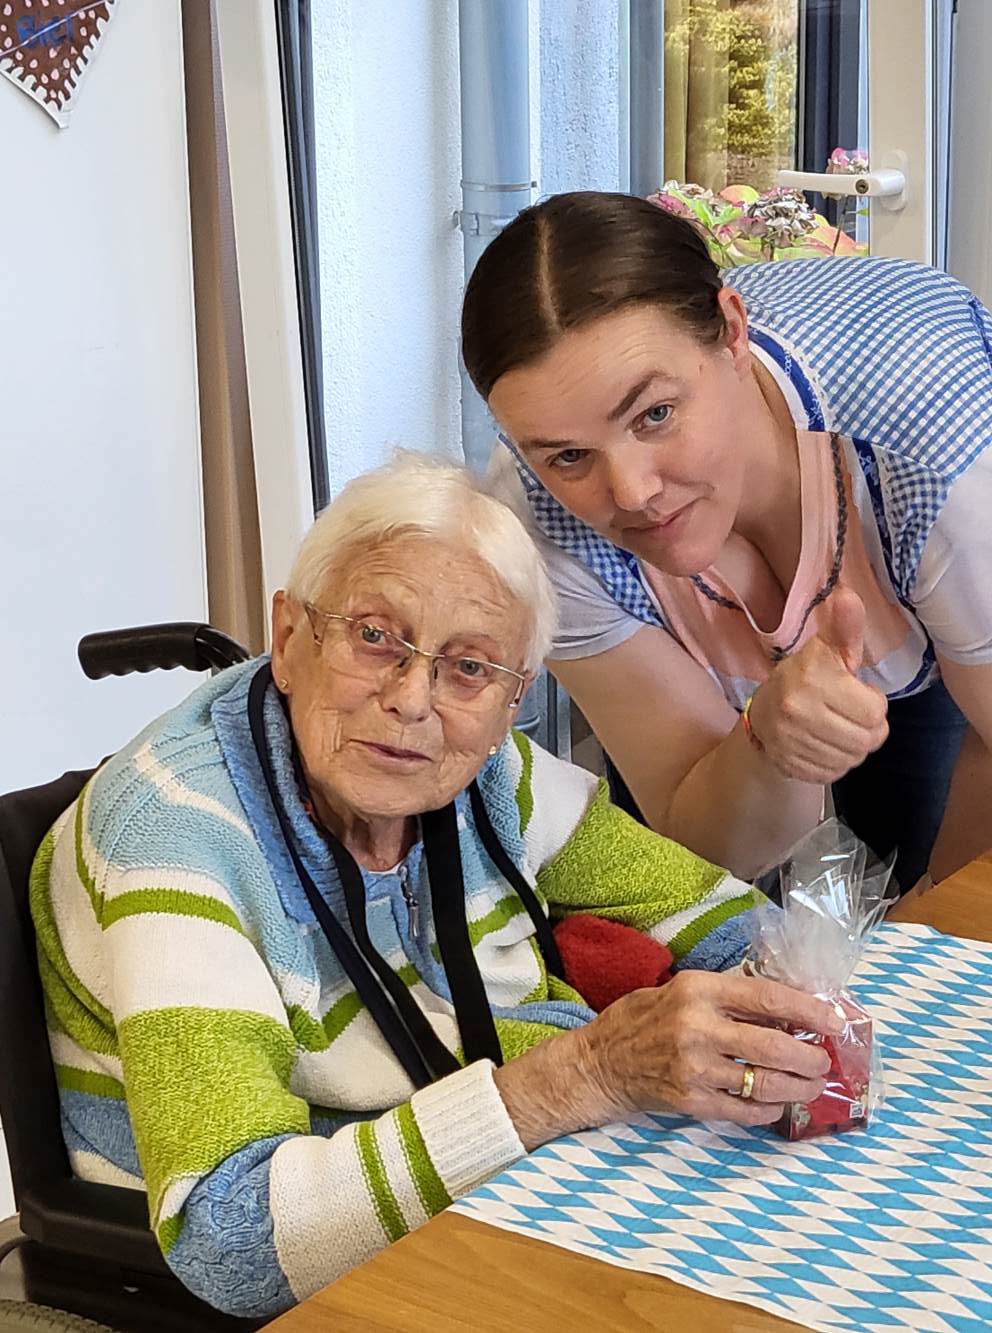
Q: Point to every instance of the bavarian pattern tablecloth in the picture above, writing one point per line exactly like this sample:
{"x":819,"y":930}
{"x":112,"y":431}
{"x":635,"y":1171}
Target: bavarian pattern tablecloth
{"x":886,"y":1229}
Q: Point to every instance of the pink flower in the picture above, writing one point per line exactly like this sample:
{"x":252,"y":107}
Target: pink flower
{"x":748,"y":225}
{"x":739,"y":195}
{"x":742,"y":226}
{"x":671,"y":204}
{"x":842,"y":162}
{"x":728,"y":232}
{"x":690,"y":190}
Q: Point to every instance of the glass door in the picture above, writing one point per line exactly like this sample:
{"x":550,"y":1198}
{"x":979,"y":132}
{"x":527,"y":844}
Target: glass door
{"x":903,"y":99}
{"x":732,"y":80}
{"x":908,"y":121}
{"x":845,"y":100}
{"x":763,"y":98}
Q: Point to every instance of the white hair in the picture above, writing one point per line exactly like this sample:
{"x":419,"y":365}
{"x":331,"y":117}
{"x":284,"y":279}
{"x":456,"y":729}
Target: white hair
{"x":416,"y":495}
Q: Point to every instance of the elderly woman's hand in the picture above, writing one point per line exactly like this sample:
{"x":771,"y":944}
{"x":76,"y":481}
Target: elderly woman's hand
{"x":674,"y":1049}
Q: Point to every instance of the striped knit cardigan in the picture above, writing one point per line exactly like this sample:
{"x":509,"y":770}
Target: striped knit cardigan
{"x":208,"y":1046}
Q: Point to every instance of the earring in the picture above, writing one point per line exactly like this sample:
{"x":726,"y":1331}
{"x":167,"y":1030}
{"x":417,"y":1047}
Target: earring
{"x":284,"y":684}
{"x":493,"y":749}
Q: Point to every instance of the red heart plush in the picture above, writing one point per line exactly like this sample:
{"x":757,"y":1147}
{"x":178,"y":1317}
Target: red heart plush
{"x":46,"y":46}
{"x":604,"y":959}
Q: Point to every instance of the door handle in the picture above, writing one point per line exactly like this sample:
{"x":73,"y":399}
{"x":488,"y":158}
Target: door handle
{"x":887,"y":184}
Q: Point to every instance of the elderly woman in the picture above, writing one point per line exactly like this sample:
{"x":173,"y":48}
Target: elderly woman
{"x":294,"y":937}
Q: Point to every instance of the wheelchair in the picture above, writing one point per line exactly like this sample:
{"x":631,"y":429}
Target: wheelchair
{"x":81,"y":1255}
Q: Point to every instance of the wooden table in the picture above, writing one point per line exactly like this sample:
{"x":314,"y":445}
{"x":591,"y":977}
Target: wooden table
{"x":456,"y":1273}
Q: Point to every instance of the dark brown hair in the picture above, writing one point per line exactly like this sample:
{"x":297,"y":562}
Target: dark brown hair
{"x":574,"y":258}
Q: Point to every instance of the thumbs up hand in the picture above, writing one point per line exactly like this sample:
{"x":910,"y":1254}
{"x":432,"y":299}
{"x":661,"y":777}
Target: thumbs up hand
{"x":845,"y":630}
{"x":815,"y":719}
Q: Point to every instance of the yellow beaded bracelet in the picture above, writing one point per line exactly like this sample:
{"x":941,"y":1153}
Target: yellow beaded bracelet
{"x":746,"y":724}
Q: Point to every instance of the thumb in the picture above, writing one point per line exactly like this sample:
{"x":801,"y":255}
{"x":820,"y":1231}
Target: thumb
{"x":844,"y":631}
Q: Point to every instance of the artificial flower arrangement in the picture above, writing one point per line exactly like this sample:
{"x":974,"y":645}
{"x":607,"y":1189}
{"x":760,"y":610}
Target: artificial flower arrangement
{"x":745,"y":226}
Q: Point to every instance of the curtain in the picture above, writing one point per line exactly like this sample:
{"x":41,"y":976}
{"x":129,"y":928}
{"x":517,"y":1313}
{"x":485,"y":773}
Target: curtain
{"x":235,"y":588}
{"x":730,"y":90}
{"x":697,"y":91}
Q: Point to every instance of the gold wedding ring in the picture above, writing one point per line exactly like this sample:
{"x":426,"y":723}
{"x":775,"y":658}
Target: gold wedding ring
{"x":747,"y":1087}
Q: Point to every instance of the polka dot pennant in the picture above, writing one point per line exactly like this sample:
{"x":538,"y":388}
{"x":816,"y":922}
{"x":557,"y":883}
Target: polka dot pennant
{"x":46,"y":46}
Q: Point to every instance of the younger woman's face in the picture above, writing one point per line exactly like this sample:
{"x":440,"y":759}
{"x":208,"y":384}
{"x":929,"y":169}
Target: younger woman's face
{"x":638,"y":429}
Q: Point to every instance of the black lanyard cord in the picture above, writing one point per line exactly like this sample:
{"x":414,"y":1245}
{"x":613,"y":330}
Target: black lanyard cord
{"x":468,"y":992}
{"x":357,"y":970}
{"x":498,"y":855}
{"x":438,"y":1059}
{"x":393,"y":1008}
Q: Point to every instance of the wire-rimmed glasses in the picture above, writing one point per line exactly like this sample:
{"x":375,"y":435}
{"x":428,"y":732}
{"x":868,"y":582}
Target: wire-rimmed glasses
{"x":375,"y":652}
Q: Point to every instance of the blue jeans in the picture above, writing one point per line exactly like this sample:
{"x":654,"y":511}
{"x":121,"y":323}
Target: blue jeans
{"x":896,"y":799}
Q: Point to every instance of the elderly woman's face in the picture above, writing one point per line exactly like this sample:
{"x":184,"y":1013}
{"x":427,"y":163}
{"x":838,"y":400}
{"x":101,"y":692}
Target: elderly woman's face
{"x":388,"y":742}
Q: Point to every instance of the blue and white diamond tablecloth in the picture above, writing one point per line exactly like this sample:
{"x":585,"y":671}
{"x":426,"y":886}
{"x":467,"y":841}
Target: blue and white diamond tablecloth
{"x":888,"y":1229}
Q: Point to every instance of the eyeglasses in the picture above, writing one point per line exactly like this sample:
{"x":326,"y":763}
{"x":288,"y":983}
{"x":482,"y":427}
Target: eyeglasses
{"x":374,"y":652}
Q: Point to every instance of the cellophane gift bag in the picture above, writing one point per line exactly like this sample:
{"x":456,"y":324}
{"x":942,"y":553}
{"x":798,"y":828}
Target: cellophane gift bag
{"x":833,"y":895}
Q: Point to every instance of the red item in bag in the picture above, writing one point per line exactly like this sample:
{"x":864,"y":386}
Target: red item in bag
{"x":845,"y":1101}
{"x":833,"y":894}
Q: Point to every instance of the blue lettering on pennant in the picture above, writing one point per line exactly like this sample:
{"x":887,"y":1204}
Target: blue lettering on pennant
{"x":57,"y":33}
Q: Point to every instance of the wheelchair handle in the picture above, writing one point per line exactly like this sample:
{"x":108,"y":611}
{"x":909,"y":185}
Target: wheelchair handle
{"x":119,"y":652}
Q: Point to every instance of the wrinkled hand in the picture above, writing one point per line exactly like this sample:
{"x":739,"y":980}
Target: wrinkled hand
{"x":677,"y":1047}
{"x":814,"y":718}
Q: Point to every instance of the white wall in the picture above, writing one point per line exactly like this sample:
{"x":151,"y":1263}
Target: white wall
{"x":578,"y":135}
{"x":99,"y":454}
{"x":388,"y":167}
{"x":99,"y":464}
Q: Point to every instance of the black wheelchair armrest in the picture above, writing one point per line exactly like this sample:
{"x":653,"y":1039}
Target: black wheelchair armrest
{"x":95,"y":1221}
{"x":186,"y":644}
